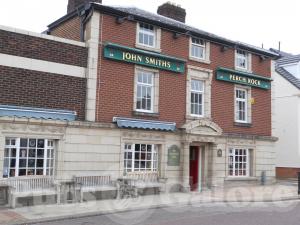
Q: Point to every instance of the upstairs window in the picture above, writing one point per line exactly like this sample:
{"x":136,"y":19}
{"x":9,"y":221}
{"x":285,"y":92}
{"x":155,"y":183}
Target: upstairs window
{"x":198,"y":48}
{"x":146,"y":35}
{"x":197,"y":92}
{"x":241,"y":105}
{"x":242,"y":60}
{"x":145,"y":91}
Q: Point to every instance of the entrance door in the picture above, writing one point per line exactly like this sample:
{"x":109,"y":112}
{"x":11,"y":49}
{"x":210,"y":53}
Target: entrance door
{"x":194,"y":167}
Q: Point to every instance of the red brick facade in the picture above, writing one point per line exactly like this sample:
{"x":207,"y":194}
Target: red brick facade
{"x":17,"y":44}
{"x":69,"y":29}
{"x":116,"y":83}
{"x":21,"y":87}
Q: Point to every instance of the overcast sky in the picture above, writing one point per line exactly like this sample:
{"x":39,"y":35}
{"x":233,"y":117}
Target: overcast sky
{"x":255,"y":22}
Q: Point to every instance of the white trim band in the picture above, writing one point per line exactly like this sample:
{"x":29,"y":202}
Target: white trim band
{"x":41,"y":65}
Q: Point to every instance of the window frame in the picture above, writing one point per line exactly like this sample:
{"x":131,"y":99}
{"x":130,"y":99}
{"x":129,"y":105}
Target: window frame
{"x":197,"y":92}
{"x":156,"y":37}
{"x":206,"y":50}
{"x":154,"y":157}
{"x":204,"y":75}
{"x":198,"y":46}
{"x":245,"y":101}
{"x":234,"y":162}
{"x":145,"y":85}
{"x":154,"y":90}
{"x":244,"y":55}
{"x":48,"y":157}
{"x":148,"y":32}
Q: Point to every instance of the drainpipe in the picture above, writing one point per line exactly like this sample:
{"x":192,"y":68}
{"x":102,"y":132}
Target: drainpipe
{"x":85,"y":14}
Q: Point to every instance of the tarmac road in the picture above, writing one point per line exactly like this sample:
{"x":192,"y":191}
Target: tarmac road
{"x":259,"y":213}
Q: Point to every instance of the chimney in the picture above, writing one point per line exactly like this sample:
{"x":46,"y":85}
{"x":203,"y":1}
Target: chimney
{"x":172,"y":11}
{"x":73,"y":4}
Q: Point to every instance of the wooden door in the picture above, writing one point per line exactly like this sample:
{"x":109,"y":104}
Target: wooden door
{"x":194,"y":167}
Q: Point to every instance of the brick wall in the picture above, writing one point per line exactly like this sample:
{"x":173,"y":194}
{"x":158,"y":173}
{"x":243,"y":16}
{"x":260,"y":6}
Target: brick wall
{"x":43,"y":49}
{"x":116,"y":83}
{"x":37,"y":89}
{"x":69,"y":29}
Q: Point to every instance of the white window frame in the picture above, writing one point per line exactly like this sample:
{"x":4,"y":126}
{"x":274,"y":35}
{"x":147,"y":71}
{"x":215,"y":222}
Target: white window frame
{"x":129,"y":149}
{"x":235,"y":164}
{"x":206,"y":50}
{"x":198,"y":92}
{"x":48,"y":156}
{"x":204,"y":75}
{"x":243,"y":100}
{"x":146,"y":86}
{"x":156,"y":37}
{"x":243,"y":55}
{"x":154,"y":89}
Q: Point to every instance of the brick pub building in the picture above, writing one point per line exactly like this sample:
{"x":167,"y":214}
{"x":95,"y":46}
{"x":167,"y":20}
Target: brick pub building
{"x":113,"y":92}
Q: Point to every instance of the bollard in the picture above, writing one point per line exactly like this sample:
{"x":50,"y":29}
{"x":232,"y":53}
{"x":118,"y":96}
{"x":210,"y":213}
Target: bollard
{"x":298,"y":183}
{"x":263,"y":178}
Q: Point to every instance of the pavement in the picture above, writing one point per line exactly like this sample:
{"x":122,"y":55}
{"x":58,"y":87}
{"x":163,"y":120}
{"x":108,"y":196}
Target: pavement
{"x":277,"y":194}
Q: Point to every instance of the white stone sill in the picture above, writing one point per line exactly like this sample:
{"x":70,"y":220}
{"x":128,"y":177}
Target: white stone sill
{"x":241,"y":179}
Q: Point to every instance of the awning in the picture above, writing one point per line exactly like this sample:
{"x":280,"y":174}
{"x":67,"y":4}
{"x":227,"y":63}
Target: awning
{"x":144,"y":124}
{"x":37,"y":113}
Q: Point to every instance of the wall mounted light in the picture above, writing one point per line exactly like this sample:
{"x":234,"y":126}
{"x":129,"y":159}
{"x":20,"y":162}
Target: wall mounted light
{"x":219,"y":153}
{"x":262,"y":58}
{"x":224,"y":48}
{"x":120,"y":20}
{"x":176,"y":35}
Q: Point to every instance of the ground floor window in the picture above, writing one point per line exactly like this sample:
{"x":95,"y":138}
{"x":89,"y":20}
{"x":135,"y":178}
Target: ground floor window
{"x":140,"y":157}
{"x":28,"y":156}
{"x":238,"y":162}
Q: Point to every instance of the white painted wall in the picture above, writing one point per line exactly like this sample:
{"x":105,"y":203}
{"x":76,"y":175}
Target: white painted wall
{"x":293,"y":69}
{"x":286,"y":122}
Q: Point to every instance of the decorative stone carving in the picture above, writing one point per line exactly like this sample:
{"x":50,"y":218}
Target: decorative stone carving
{"x":202,"y":126}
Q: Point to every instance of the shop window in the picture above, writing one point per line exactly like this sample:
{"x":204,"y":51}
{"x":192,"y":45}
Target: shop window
{"x":238,"y":162}
{"x":28,"y":156}
{"x":140,"y":157}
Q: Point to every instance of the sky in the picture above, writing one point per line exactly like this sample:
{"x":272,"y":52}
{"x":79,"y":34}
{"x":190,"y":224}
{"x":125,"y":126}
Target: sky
{"x":256,"y":22}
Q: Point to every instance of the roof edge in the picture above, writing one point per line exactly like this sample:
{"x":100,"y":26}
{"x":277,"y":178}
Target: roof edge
{"x":288,"y":76}
{"x":113,"y":11}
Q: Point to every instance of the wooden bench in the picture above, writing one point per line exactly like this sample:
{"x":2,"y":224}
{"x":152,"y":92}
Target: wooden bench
{"x":93,"y":184}
{"x":147,"y":179}
{"x":31,"y":186}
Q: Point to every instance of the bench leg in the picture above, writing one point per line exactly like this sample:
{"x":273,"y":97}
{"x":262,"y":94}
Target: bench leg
{"x":58,"y":191}
{"x":58,"y":198}
{"x":81,"y":195}
{"x":13,"y":201}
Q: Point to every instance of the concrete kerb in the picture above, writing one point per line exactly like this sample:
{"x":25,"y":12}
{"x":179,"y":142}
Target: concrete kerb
{"x":164,"y":205}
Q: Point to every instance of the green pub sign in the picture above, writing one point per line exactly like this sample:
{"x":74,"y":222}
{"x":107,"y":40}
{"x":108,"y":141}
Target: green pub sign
{"x":174,"y":156}
{"x":244,"y":78}
{"x":145,"y":58}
